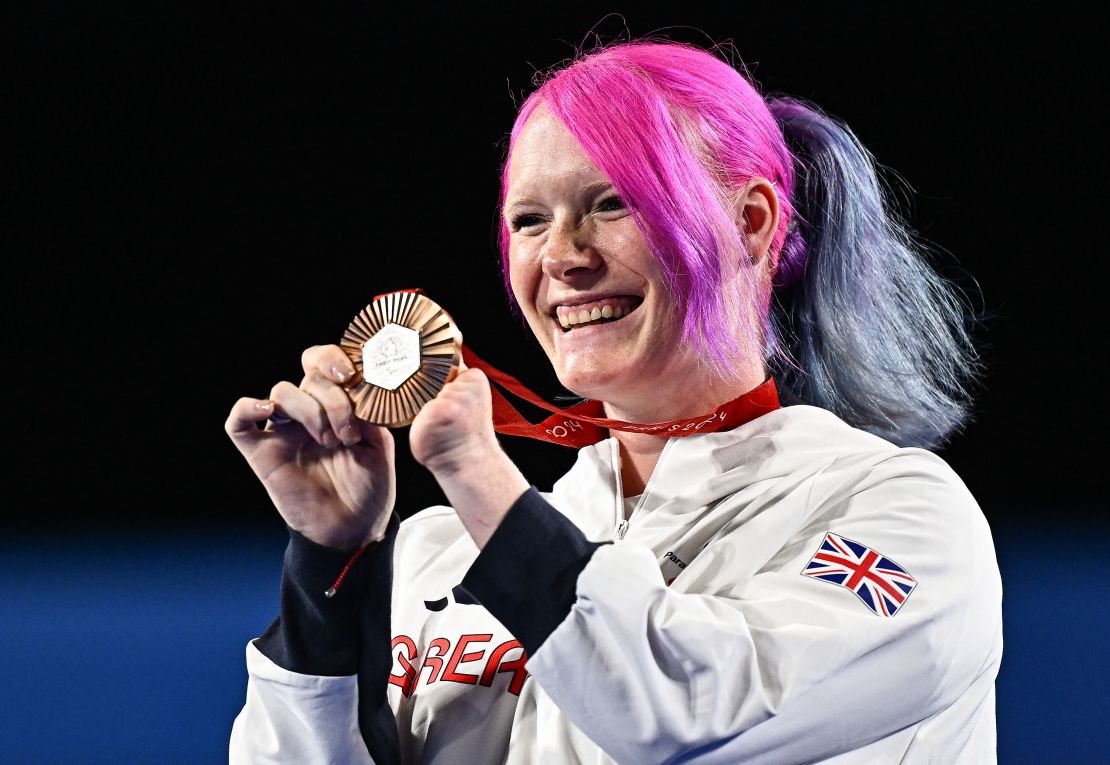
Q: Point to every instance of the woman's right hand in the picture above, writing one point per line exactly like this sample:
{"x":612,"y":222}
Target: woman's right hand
{"x":330,"y":474}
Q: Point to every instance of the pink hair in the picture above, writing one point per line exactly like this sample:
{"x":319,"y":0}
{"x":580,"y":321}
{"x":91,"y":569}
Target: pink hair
{"x":678,"y":132}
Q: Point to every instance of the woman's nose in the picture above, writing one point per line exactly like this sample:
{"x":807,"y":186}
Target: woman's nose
{"x":569,"y":252}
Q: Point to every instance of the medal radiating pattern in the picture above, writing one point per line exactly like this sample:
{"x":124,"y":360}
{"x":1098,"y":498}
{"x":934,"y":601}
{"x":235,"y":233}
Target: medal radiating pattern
{"x":394,"y":396}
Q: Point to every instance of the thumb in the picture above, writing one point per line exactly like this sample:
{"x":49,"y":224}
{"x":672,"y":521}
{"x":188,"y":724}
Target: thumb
{"x":456,"y":371}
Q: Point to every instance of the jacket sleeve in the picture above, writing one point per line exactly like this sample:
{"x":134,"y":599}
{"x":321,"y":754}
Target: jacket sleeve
{"x":317,"y":678}
{"x":775,"y":667}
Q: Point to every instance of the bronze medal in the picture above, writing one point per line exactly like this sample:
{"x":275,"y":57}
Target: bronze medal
{"x":405,"y":348}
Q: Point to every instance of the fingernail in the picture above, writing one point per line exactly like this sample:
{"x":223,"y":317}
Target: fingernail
{"x":330,"y":441}
{"x":341,"y":374}
{"x":264,"y":406}
{"x":350,"y":435}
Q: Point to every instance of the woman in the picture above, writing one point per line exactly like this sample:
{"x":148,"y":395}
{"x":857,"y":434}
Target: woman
{"x":802,"y":585}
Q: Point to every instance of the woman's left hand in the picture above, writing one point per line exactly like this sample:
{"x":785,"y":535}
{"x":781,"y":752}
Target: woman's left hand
{"x":454,"y":431}
{"x":453,"y":437}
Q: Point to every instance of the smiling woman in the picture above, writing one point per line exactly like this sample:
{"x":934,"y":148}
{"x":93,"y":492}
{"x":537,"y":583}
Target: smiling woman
{"x":683,"y":249}
{"x":574,"y":249}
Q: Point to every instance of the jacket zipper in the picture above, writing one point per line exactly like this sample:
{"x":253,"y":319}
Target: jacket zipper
{"x":622,"y":524}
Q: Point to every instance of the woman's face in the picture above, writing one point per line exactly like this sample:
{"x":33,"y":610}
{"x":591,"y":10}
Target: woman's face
{"x":583,"y":274}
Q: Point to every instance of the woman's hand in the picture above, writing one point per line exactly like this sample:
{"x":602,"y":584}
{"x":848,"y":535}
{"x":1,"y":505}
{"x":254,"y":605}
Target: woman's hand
{"x":330,"y":474}
{"x":453,"y":437}
{"x":455,"y":429}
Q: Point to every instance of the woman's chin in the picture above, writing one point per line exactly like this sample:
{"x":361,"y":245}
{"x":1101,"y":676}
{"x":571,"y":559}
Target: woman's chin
{"x":596,"y":381}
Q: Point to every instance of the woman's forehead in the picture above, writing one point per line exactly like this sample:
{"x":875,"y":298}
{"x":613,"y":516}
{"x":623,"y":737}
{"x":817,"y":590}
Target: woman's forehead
{"x":546,"y":157}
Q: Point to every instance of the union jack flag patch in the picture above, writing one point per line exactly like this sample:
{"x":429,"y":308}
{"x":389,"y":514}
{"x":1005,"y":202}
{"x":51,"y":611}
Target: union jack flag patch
{"x":879,"y":582}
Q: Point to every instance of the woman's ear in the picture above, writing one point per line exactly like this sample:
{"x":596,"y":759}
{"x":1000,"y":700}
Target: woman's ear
{"x":756,"y":212}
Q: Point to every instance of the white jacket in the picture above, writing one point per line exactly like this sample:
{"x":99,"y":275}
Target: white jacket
{"x":741,"y":658}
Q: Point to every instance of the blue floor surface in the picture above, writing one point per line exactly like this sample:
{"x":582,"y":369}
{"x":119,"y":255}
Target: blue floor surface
{"x":130,"y":649}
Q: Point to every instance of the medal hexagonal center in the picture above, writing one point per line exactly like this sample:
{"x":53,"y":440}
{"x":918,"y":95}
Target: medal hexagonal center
{"x":391,"y":356}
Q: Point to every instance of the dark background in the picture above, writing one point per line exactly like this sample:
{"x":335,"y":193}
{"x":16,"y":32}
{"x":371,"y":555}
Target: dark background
{"x":202,"y":193}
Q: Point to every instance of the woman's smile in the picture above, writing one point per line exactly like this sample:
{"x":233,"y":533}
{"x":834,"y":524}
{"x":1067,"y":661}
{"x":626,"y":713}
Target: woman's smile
{"x":612,"y":335}
{"x":594,"y":312}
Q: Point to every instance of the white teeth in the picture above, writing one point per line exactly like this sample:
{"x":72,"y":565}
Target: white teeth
{"x":574,"y":318}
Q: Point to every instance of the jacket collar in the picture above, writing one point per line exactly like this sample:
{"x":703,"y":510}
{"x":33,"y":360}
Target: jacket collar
{"x":698,"y":471}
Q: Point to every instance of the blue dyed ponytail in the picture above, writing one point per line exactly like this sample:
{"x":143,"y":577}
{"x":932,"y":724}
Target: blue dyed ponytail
{"x":863,"y":325}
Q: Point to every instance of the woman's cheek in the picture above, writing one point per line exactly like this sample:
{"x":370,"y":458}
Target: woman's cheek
{"x":521,"y":268}
{"x":525,"y":286}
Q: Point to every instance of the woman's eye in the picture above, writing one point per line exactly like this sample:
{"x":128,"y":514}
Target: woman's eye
{"x":523,"y":221}
{"x":611,"y":203}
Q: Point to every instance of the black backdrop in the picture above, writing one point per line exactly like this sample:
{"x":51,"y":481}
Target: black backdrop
{"x":202,"y":192}
{"x":205,"y":192}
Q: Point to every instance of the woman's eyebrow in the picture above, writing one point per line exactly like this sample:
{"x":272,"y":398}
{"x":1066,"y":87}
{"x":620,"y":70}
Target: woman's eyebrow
{"x":592,"y":187}
{"x":595,"y":186}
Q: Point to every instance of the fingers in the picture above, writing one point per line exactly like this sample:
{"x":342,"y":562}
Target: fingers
{"x":299,"y":406}
{"x":319,"y":405}
{"x":326,"y":367}
{"x":375,"y":436}
{"x":471,"y":376}
{"x":288,"y":403}
{"x":330,"y":361}
{"x":469,"y":389}
{"x":456,"y":371}
{"x":242,"y":423}
{"x":336,"y":406}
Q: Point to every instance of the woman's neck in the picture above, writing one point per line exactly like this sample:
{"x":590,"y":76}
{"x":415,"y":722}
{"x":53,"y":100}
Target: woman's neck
{"x":639,"y":452}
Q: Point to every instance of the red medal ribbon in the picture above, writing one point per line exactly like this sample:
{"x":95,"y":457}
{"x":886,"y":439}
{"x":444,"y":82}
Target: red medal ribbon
{"x":585,"y":424}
